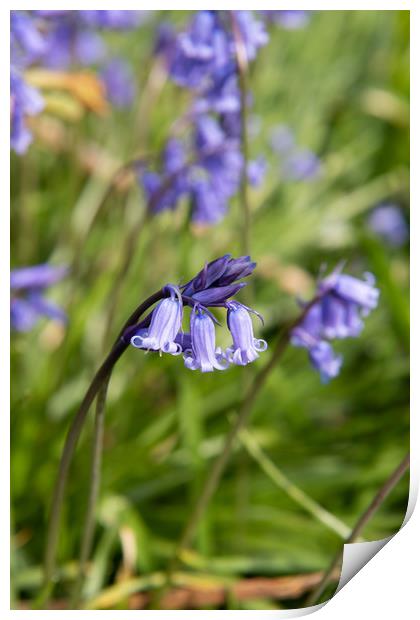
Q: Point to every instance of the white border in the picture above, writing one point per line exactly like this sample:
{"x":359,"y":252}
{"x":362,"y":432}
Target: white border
{"x":387,"y":586}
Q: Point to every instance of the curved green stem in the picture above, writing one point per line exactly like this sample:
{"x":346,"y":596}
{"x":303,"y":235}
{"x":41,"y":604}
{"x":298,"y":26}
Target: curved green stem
{"x":95,"y":478}
{"x":73,"y":435}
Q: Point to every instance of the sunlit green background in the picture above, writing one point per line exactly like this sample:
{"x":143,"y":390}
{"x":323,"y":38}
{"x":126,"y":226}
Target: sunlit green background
{"x":342,"y":85}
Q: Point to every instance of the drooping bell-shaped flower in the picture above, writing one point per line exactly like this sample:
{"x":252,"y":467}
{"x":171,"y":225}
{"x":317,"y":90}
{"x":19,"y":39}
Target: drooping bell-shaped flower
{"x":336,"y":312}
{"x":324,"y":360}
{"x":203,"y":354}
{"x":164,"y":326}
{"x":360,"y":292}
{"x":246,"y":347}
{"x":340,"y":319}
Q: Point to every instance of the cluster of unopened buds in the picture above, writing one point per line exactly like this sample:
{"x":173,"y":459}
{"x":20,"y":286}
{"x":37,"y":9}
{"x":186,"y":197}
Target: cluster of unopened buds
{"x":213,"y":287}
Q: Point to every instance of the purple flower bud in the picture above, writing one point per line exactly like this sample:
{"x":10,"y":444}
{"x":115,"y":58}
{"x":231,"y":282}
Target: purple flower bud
{"x":205,"y":278}
{"x":245,"y":347}
{"x":203,"y":354}
{"x":236,"y":269}
{"x":164,"y":327}
{"x":217,"y":295}
{"x":220,"y":273}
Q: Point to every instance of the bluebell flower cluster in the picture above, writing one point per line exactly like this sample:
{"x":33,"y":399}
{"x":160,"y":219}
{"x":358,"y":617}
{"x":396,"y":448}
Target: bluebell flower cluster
{"x":297,"y":163}
{"x":60,"y":40}
{"x":213,"y":287}
{"x":28,"y":302}
{"x":26,"y":46}
{"x":388,"y":222}
{"x":337,"y":312}
{"x":203,"y":60}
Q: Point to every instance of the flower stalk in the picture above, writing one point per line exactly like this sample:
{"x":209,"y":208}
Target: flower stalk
{"x":73,"y":435}
{"x":242,"y":70}
{"x":95,"y":480}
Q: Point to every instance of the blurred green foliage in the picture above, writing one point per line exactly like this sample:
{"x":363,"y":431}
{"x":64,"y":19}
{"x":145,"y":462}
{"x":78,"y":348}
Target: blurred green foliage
{"x":342,"y":85}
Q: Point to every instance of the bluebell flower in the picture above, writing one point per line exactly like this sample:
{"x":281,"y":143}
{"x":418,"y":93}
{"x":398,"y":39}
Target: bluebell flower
{"x":218,"y":156}
{"x":388,"y":222}
{"x":203,"y":59}
{"x":200,"y":51}
{"x":209,"y":204}
{"x":28,"y":302}
{"x":341,"y":303}
{"x":164,"y":327}
{"x":325,"y":361}
{"x":24,"y":101}
{"x":163,"y":190}
{"x":222,"y":96}
{"x":253,"y":32}
{"x":246,"y":347}
{"x":68,"y":42}
{"x":352,"y":290}
{"x":213,"y":286}
{"x":70,"y":36}
{"x":118,"y":78}
{"x":27,"y":42}
{"x":210,"y":176}
{"x":203,"y":355}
